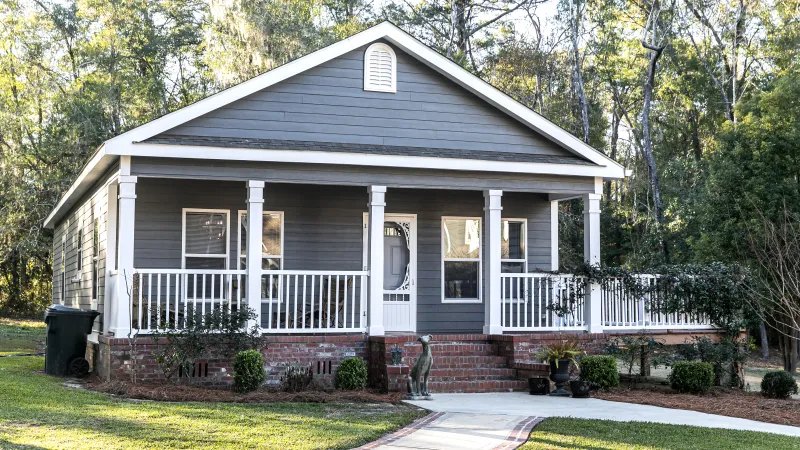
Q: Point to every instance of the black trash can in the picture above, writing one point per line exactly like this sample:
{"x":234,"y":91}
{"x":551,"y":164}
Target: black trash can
{"x":67,"y":330}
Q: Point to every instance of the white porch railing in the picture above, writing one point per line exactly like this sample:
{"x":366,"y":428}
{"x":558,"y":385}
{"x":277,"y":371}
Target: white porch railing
{"x":167,"y":298}
{"x":541,"y":302}
{"x":623,"y":310}
{"x":314,"y":301}
{"x":547,"y":302}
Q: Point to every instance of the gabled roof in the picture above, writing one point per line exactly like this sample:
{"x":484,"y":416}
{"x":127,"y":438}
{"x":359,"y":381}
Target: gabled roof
{"x":131,"y":143}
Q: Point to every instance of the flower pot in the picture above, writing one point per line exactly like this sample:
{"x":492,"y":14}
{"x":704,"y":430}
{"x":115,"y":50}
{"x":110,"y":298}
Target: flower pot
{"x":539,"y":386}
{"x":559,"y":374}
{"x":580,"y":388}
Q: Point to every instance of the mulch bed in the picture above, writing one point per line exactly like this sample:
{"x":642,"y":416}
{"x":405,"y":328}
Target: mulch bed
{"x":723,"y":401}
{"x":184,"y":393}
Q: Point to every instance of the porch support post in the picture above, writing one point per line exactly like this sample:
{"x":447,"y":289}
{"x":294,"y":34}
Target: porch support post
{"x":554,"y":235}
{"x":255,"y":212}
{"x":491,"y":270}
{"x":121,"y":311}
{"x":591,"y":255}
{"x":377,"y":205}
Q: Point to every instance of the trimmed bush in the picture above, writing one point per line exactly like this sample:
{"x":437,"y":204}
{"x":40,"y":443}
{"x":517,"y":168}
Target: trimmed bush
{"x":692,"y":377}
{"x":600,"y":369}
{"x":248,"y":371}
{"x":778,"y":384}
{"x":352,"y":374}
{"x":296,"y":378}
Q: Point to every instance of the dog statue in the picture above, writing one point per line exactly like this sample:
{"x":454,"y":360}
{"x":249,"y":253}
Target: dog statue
{"x":418,"y":381}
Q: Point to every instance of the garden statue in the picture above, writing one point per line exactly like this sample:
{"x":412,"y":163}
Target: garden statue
{"x":418,"y":381}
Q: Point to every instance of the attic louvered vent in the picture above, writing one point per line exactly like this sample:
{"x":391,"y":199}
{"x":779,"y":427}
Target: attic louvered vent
{"x":380,"y":68}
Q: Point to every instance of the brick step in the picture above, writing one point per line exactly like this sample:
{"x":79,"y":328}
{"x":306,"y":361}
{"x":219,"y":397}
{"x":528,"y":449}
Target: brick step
{"x":463,"y":349}
{"x":472,"y":374}
{"x":443,"y":387}
{"x":465,"y":362}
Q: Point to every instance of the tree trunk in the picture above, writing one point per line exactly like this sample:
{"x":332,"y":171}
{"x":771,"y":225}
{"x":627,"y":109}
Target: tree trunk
{"x":460,"y":25}
{"x":580,"y":92}
{"x":762,"y":328}
{"x":655,"y":183}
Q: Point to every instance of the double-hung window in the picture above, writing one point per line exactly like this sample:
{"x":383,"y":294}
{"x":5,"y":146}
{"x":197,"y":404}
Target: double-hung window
{"x":79,"y":251}
{"x":205,"y":238}
{"x":95,"y":258}
{"x":461,"y":259}
{"x":512,"y":246}
{"x":271,"y":247}
{"x":63,"y":281}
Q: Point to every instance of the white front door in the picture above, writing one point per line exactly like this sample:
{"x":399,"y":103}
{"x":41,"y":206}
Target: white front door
{"x":399,"y":270}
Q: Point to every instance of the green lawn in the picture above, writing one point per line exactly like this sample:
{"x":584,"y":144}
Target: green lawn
{"x":21,"y":336}
{"x":37,"y":411}
{"x":561,"y":433}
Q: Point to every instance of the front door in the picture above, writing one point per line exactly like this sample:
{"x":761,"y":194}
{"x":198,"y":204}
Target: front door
{"x":399,"y":270}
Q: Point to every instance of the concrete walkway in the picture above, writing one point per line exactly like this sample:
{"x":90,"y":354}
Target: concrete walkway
{"x":446,"y":431}
{"x":519,"y":404}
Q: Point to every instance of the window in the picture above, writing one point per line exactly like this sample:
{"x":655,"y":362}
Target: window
{"x":461,"y":259}
{"x":78,"y":244}
{"x":271,"y":248}
{"x":271,"y":240}
{"x":513,"y":258}
{"x":95,"y":257}
{"x":63,"y":283}
{"x":205,"y":238}
{"x":380,"y":68}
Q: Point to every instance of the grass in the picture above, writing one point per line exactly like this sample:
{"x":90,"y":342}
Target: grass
{"x":562,"y":433}
{"x":38,"y":411}
{"x":21,"y":336}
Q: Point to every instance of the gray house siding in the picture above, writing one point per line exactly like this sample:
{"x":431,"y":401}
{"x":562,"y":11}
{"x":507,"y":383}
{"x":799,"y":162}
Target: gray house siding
{"x":80,"y":222}
{"x":328,"y":103}
{"x":323,"y":230}
{"x":357,"y":176}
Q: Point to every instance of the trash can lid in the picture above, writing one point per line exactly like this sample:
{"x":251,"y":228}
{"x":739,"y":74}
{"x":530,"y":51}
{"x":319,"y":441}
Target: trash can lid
{"x":61,"y":310}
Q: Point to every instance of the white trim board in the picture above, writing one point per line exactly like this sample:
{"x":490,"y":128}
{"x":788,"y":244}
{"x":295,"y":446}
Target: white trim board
{"x":362,"y":159}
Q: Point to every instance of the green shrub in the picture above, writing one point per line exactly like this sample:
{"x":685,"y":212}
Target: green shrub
{"x":352,"y":374}
{"x":601,"y":370}
{"x":778,"y":384}
{"x":692,"y":377}
{"x":248,"y":371}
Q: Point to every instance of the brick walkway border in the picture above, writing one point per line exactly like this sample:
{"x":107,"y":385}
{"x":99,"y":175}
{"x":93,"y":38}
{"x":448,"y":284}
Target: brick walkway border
{"x":519,"y":435}
{"x":405,"y":431}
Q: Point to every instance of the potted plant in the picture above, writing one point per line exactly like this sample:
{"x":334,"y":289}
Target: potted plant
{"x":581,"y":388}
{"x":560,"y":355}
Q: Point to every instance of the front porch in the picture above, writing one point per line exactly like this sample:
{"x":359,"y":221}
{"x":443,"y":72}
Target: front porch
{"x":345,"y":259}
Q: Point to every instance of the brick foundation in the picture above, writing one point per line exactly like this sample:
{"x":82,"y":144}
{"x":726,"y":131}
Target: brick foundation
{"x":462,"y":362}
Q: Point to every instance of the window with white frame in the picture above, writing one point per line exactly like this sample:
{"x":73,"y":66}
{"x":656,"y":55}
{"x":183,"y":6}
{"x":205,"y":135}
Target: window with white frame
{"x":63,"y":281}
{"x":513,"y":257}
{"x":271,"y":240}
{"x":461,"y":259}
{"x":95,"y":257}
{"x":78,"y":244}
{"x":271,"y":248}
{"x":205,"y":238}
{"x":380,"y":68}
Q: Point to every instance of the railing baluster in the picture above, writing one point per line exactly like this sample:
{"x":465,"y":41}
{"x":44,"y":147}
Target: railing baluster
{"x":169,"y":277}
{"x":328,"y":315}
{"x":294,"y":310}
{"x":303,"y":320}
{"x":139,"y":302}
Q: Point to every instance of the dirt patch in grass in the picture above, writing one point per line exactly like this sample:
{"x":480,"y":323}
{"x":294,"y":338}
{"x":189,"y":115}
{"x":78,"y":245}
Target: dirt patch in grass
{"x":723,"y":401}
{"x":183,"y":393}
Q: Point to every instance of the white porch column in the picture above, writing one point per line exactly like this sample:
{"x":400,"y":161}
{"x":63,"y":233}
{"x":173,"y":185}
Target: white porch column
{"x":591,"y":255}
{"x":121,"y":311}
{"x":377,"y":205}
{"x":491,"y":269}
{"x":255,"y":212}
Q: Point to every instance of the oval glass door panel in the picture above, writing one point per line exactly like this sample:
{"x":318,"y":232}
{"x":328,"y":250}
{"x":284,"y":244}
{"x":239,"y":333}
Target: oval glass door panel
{"x":396,"y":256}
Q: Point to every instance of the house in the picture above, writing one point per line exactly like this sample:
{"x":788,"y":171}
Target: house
{"x":398,"y":194}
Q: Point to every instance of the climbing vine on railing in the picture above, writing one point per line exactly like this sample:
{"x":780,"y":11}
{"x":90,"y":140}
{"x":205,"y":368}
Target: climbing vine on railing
{"x":715,"y":291}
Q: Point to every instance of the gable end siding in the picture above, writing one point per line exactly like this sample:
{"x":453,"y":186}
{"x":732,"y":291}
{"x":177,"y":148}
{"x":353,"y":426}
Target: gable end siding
{"x":328,"y":104}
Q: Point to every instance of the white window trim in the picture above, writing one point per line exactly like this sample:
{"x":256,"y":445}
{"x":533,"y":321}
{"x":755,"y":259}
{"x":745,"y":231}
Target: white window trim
{"x":479,"y":260}
{"x":185,"y":255}
{"x":95,"y":287}
{"x":78,"y":244}
{"x":63,"y":279}
{"x":368,"y":87}
{"x":239,"y":238}
{"x":525,"y":242}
